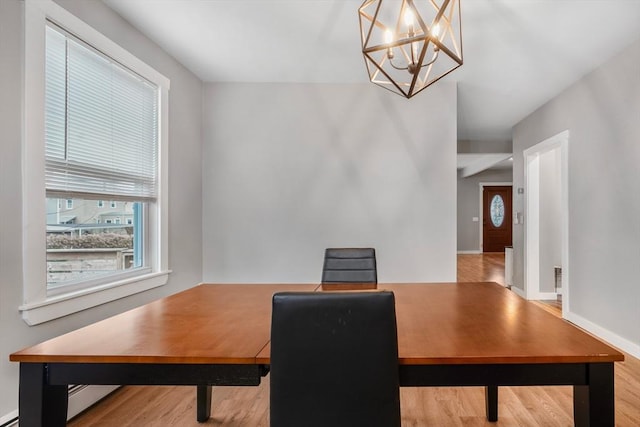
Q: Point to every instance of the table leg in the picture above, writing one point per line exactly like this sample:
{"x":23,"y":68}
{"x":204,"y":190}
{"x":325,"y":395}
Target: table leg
{"x":594,"y":404}
{"x":204,"y":402}
{"x":41,"y":404}
{"x":491,"y":401}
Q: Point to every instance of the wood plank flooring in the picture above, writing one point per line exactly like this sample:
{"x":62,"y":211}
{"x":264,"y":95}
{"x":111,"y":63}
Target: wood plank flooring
{"x":487,"y":267}
{"x":441,"y":407}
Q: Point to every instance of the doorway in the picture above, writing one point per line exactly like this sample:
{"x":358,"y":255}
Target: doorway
{"x":546,"y":213}
{"x":496,"y":218}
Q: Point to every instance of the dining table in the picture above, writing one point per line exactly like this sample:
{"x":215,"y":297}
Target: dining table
{"x":449,"y":334}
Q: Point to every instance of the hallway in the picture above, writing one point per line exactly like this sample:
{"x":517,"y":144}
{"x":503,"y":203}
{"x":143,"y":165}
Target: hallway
{"x":486,"y":267}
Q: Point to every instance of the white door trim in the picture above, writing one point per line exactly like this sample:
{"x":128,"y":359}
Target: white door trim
{"x":532,"y":224}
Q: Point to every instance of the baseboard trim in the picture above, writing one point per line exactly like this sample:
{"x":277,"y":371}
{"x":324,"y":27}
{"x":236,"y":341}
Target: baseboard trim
{"x":469,"y":252}
{"x":544,"y":296}
{"x":518,"y":291}
{"x":604,"y":334}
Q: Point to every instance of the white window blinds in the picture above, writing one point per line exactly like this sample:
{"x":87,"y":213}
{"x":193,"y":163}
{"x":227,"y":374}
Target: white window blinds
{"x":101,"y":124}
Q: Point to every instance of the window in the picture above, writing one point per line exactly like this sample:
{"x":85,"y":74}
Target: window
{"x":104,"y":130}
{"x":497,"y":210}
{"x":100,"y":139}
{"x":82,"y":251}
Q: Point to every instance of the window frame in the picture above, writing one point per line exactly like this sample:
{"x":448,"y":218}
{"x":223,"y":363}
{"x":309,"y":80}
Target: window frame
{"x":38,"y":305}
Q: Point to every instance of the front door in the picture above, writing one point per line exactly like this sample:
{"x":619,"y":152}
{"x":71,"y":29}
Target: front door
{"x":496,"y":218}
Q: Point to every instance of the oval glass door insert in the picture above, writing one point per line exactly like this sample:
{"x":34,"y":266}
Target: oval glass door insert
{"x":497,"y":210}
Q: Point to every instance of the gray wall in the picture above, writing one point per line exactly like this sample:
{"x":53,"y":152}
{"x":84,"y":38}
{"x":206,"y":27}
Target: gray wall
{"x":469,"y":205}
{"x":482,"y":146}
{"x":185,"y":183}
{"x":602,"y":113}
{"x":291,"y":169}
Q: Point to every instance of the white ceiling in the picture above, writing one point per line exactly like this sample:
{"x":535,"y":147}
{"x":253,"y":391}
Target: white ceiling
{"x":518,"y":54}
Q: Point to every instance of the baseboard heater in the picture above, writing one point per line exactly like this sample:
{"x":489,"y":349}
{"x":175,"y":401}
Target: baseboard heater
{"x":12,"y":422}
{"x":80,"y":398}
{"x":83,"y":396}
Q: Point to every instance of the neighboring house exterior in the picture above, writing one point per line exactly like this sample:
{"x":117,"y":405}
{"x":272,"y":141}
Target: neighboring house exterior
{"x":88,"y":238}
{"x":88,"y":212}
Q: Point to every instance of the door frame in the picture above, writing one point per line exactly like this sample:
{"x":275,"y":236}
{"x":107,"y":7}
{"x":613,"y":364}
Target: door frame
{"x":532,"y":221}
{"x":481,"y":210}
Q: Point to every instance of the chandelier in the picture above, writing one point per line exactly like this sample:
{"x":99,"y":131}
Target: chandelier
{"x":410,"y":44}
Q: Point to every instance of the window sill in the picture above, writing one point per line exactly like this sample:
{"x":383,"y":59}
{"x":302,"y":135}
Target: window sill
{"x":58,"y":306}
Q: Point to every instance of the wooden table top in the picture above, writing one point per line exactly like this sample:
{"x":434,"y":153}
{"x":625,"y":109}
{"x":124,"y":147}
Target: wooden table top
{"x":446,"y":323}
{"x":486,"y":323}
{"x":204,"y":324}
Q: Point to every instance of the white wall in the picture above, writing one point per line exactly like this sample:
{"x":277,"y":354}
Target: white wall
{"x":290,"y":169}
{"x":185,"y":183}
{"x":550,"y":217}
{"x":601,"y":112}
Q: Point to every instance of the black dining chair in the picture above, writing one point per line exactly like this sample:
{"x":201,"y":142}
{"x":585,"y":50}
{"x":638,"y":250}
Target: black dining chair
{"x":334,"y":360}
{"x":349,"y":265}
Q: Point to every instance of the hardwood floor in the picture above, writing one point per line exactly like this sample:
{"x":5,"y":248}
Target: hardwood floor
{"x":442,"y":407}
{"x":487,"y":267}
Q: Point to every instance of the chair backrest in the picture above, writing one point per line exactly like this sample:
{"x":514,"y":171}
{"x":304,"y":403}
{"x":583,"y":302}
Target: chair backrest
{"x":349,"y":265}
{"x":334,"y":360}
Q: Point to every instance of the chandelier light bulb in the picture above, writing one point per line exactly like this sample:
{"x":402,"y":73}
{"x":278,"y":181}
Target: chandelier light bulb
{"x":409,"y":19}
{"x":435,"y":30}
{"x":388,"y":36}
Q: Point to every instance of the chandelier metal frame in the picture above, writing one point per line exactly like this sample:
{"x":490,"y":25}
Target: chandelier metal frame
{"x":410,"y":44}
